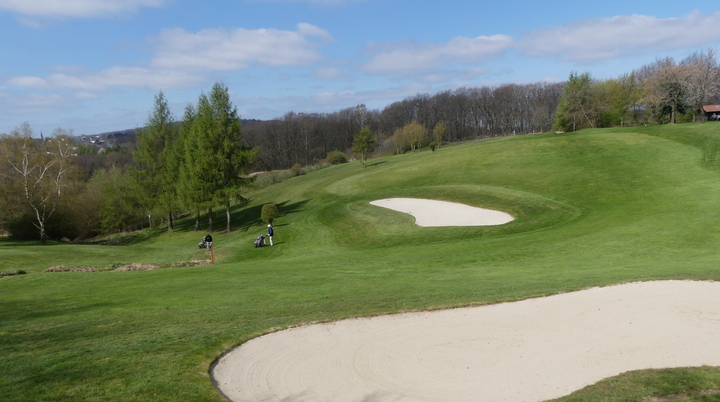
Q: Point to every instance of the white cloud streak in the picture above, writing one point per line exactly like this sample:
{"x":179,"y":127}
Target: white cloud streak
{"x":412,"y":59}
{"x":621,"y":36}
{"x":132,"y":77}
{"x":182,"y":58}
{"x":238,"y":49}
{"x":76,"y":8}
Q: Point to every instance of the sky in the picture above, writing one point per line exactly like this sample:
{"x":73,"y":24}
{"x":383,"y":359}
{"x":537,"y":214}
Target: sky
{"x":94,"y":66}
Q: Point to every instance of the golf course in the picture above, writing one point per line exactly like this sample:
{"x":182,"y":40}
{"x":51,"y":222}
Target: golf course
{"x":592,"y":208}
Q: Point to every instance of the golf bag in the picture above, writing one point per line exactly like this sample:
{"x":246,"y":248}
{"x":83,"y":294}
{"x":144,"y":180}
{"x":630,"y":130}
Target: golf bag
{"x":260,"y":241}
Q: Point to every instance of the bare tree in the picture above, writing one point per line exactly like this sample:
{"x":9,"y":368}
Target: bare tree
{"x":701,"y":78}
{"x":664,"y":86}
{"x":37,"y":172}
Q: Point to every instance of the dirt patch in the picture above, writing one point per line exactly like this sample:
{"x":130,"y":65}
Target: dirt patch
{"x":191,"y":263}
{"x":136,"y":267}
{"x":62,"y":268}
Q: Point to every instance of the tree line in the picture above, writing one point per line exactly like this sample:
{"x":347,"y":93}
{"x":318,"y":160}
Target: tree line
{"x":194,"y":164}
{"x":664,"y":91}
{"x":466,"y":113}
{"x":201,"y":161}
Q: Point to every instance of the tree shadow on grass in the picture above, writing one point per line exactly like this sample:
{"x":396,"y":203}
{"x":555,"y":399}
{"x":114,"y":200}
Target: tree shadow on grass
{"x":243,"y":217}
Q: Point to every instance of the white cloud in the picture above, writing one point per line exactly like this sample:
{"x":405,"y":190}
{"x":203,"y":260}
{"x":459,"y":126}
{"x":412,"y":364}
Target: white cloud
{"x":409,"y":58}
{"x":619,"y":36}
{"x":133,"y":77}
{"x":222,"y":50}
{"x":76,"y":8}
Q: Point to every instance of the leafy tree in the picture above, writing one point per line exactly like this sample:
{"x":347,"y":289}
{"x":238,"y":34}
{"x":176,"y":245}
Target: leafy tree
{"x":399,"y":141}
{"x":439,"y":133}
{"x":37,"y":174}
{"x":702,"y":78}
{"x":578,"y":107}
{"x":119,"y":206}
{"x":414,"y":133}
{"x":269,"y":212}
{"x":156,"y":160}
{"x":621,"y":96}
{"x":364,"y":144}
{"x":664,"y":87}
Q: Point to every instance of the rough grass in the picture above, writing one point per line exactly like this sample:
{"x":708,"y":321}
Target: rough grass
{"x":593,"y":208}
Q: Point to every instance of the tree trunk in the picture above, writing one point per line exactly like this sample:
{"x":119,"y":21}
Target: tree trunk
{"x":210,"y":226}
{"x":197,"y":220}
{"x":170,"y":222}
{"x":227,"y":214}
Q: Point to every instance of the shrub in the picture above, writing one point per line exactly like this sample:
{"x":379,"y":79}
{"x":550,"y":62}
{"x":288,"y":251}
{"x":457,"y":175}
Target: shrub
{"x":432,"y":146}
{"x":336,"y":157}
{"x":13,"y":272}
{"x":269,"y":212}
{"x":296,"y":170}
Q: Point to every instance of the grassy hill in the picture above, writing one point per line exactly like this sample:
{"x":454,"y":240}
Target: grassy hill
{"x":595,"y":207}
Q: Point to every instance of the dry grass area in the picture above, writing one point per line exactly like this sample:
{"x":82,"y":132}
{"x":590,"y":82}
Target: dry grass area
{"x":129,"y":267}
{"x":136,"y":267}
{"x":62,"y":268}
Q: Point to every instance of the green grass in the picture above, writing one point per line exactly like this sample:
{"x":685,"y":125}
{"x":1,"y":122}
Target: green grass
{"x":593,"y":208}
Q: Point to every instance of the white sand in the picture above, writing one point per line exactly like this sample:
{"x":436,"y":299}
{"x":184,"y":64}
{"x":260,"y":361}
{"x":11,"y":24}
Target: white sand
{"x":529,"y":350}
{"x":444,"y":213}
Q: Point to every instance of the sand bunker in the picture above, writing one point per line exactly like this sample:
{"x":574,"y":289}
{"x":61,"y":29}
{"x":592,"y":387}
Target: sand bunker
{"x":530,"y":350}
{"x":444,"y":213}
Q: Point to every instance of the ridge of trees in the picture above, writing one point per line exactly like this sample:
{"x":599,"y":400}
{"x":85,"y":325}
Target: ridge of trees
{"x":202,"y":161}
{"x":657,"y":92}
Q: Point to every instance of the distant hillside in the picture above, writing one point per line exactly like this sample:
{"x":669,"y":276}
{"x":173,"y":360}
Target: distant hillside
{"x":120,"y":137}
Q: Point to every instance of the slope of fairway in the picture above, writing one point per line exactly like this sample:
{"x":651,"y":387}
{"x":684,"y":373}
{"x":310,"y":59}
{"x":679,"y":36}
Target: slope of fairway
{"x":592,"y":208}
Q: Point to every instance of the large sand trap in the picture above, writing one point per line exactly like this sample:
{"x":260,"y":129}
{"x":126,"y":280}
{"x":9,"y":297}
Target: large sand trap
{"x":444,"y":213}
{"x":530,"y":350}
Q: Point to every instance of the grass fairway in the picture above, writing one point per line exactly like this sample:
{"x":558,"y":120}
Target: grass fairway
{"x":593,"y":208}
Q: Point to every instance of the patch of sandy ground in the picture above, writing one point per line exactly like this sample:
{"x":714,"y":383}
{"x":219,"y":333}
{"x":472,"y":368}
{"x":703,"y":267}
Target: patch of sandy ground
{"x":531,"y":350}
{"x":444,"y":213}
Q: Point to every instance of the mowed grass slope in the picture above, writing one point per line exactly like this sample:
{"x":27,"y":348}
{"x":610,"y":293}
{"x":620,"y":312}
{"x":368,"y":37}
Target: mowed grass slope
{"x":593,"y":208}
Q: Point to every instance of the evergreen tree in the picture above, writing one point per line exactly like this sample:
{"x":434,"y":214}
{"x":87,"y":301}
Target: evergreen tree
{"x":155,"y":158}
{"x":363,"y":144}
{"x":214,"y":157}
{"x":199,"y":164}
{"x":232,"y":158}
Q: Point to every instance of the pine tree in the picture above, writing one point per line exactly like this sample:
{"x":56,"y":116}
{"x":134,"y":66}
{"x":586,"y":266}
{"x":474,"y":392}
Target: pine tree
{"x":233,"y":159}
{"x":157,"y":171}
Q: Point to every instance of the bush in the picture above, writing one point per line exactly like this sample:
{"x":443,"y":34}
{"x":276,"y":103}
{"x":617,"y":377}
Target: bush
{"x":336,"y":157}
{"x":432,"y":146}
{"x":13,"y":272}
{"x":269,"y":212}
{"x":296,"y":170}
{"x":58,"y":226}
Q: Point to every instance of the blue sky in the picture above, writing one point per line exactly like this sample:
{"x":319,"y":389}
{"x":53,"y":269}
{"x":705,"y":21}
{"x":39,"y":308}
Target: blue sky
{"x":95,"y":65}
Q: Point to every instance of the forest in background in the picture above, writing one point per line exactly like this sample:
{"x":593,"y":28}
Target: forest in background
{"x":54,"y":187}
